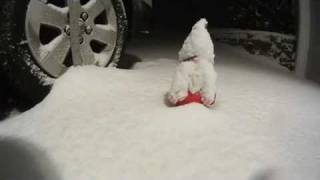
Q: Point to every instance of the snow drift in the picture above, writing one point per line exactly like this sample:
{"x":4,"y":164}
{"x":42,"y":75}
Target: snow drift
{"x":107,"y":123}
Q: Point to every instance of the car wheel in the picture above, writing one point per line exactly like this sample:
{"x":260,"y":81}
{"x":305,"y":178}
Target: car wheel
{"x":41,"y":39}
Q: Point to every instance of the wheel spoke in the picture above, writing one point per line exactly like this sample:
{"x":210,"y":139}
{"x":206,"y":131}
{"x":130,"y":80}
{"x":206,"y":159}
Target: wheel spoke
{"x":112,"y":18}
{"x":95,"y":7}
{"x":104,"y":34}
{"x":41,"y":13}
{"x":87,"y":54}
{"x":74,"y":12}
{"x":53,"y":55}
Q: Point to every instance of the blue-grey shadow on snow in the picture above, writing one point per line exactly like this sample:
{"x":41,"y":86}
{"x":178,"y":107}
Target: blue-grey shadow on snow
{"x":21,"y":160}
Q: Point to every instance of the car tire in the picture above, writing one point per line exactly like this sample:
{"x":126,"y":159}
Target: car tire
{"x":29,"y":79}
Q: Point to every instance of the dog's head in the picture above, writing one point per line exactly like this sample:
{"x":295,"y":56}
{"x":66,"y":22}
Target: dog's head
{"x":202,"y":23}
{"x":198,"y":43}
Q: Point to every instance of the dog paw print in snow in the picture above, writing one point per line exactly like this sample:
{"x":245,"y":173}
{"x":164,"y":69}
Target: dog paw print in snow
{"x":195,"y":77}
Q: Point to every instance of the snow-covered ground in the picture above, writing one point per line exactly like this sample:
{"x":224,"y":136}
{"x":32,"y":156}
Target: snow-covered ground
{"x":113,"y":124}
{"x":280,"y":48}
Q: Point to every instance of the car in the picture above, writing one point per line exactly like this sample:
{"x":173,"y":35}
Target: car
{"x":41,"y":39}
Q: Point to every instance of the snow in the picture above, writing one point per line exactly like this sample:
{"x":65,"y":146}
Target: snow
{"x":99,"y":123}
{"x":242,"y":34}
{"x":280,"y":48}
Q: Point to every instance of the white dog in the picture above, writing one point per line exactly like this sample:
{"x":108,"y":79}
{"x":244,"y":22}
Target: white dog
{"x":196,"y":71}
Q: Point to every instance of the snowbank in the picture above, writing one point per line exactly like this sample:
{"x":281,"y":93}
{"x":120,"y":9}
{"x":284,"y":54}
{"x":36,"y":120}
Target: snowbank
{"x":280,"y":48}
{"x":108,"y":123}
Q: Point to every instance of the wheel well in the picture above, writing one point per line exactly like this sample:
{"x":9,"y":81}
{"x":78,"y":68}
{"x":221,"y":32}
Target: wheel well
{"x":138,"y":14}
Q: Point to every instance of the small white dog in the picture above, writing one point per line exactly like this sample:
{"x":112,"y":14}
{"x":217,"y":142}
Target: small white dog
{"x":195,"y":73}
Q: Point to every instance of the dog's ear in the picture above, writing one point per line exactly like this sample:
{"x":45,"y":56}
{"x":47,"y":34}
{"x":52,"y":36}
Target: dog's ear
{"x":205,"y":22}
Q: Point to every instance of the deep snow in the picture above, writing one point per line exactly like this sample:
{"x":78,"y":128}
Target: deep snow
{"x":113,"y":124}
